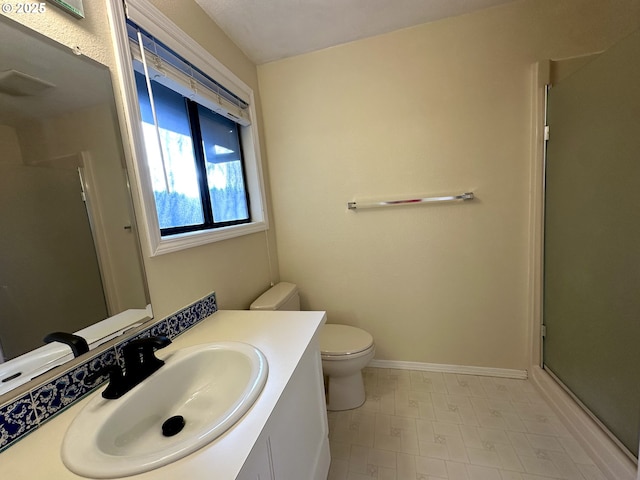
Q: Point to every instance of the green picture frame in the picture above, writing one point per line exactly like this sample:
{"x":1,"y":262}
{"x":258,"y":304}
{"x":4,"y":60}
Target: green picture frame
{"x":72,"y":7}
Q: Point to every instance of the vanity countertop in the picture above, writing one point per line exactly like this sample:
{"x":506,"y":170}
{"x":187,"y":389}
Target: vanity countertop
{"x":281,"y":336}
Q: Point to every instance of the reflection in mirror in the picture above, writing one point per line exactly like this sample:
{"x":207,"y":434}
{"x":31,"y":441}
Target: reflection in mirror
{"x":69,"y":253}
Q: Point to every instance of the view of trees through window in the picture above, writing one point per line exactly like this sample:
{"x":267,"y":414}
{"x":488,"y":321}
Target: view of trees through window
{"x":195,"y":162}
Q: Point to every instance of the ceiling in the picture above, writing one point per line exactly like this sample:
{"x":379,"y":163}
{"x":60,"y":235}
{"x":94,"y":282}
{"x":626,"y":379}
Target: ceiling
{"x":268,"y":30}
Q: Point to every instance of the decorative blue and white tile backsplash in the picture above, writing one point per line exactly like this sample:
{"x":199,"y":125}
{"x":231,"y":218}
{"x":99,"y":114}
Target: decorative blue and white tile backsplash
{"x":24,"y":414}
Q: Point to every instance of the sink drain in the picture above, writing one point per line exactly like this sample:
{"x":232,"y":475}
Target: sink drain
{"x":173,"y":426}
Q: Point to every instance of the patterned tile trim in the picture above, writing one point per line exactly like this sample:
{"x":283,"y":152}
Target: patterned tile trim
{"x":17,"y":419}
{"x":22,"y":415}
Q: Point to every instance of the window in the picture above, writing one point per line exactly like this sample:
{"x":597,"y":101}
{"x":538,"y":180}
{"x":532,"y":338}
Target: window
{"x":197,"y":148}
{"x":198,"y":177}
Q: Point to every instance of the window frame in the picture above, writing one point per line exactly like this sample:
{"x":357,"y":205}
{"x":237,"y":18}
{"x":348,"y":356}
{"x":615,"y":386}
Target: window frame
{"x":158,"y":25}
{"x":193,"y":111}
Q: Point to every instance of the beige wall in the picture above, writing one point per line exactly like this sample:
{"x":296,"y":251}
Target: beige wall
{"x":439,"y":108}
{"x":91,"y":34}
{"x":237,"y":269}
{"x":9,"y":145}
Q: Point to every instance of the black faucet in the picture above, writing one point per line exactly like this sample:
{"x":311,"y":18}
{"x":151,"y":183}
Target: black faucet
{"x":139,"y":363}
{"x":77,"y":343}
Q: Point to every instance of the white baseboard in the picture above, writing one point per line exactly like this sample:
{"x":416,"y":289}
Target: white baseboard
{"x":456,"y":369}
{"x":613,"y":462}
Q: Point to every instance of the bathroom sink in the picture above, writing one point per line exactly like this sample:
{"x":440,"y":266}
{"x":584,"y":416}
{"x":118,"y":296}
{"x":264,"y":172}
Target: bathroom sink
{"x":198,"y":394}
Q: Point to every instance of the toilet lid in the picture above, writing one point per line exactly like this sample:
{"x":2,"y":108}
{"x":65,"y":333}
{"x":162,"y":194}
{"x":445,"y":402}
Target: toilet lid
{"x":343,"y":339}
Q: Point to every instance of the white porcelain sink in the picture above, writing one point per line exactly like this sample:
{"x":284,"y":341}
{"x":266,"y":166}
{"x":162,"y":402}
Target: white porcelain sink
{"x":212,"y":386}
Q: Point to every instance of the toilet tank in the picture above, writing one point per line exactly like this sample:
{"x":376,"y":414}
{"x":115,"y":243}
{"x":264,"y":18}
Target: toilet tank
{"x":283,"y":296}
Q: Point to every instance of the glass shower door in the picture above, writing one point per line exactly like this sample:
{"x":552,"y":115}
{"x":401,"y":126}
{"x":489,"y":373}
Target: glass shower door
{"x":48,"y":264}
{"x":592,"y":238}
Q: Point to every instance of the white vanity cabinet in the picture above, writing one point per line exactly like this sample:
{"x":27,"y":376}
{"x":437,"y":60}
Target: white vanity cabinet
{"x":283,"y":436}
{"x":294,"y":443}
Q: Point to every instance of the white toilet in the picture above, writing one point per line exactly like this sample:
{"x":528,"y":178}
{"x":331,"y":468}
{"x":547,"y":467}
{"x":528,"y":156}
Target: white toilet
{"x":345,"y":350}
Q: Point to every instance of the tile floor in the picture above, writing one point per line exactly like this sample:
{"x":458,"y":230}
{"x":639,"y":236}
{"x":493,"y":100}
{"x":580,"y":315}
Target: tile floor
{"x":431,"y":426}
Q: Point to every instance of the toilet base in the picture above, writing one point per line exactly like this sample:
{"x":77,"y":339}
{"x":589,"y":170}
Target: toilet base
{"x":345,"y":392}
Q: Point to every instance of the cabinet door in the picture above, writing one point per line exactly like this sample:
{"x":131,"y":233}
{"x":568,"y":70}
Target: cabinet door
{"x":258,"y":466}
{"x":299,"y":431}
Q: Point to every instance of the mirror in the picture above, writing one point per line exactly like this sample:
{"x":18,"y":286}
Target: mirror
{"x":69,"y":253}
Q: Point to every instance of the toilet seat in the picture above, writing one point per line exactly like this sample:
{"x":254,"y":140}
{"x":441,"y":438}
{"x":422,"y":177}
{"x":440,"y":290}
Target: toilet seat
{"x":344,"y":341}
